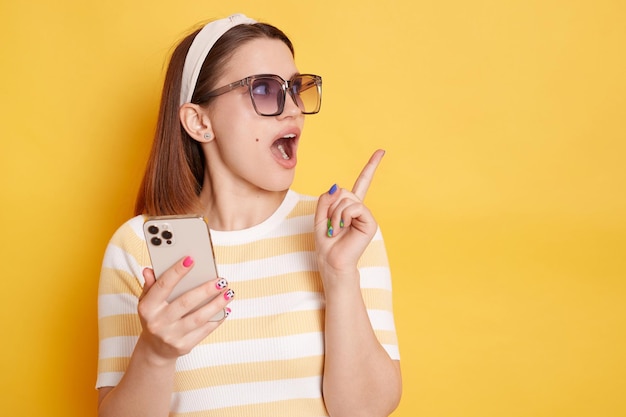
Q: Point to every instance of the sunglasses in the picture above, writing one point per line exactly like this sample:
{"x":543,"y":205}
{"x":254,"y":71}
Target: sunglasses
{"x":268,"y":92}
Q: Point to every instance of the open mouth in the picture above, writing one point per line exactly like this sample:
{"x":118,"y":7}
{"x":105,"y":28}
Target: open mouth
{"x":284,"y":147}
{"x":281,"y":148}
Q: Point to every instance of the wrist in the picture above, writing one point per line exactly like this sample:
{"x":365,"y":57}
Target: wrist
{"x":145,"y":351}
{"x":340,"y":280}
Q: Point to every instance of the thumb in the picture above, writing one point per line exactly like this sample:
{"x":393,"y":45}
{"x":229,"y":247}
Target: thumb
{"x":149,"y":280}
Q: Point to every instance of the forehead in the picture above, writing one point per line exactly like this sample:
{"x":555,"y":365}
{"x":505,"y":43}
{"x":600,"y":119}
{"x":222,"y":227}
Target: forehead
{"x":260,"y":56}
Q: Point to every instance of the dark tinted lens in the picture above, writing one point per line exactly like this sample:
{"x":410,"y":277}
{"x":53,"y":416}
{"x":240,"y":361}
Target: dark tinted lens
{"x":267,"y":94}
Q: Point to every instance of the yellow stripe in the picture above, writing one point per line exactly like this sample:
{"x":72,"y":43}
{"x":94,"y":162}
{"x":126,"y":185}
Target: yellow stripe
{"x":303,"y":208}
{"x":374,"y":255}
{"x":265,"y":248}
{"x":126,"y":239}
{"x":116,"y":281}
{"x":306,"y":407}
{"x":386,"y":337}
{"x":267,"y":326}
{"x":279,"y":284}
{"x":243,"y":373}
{"x":287,"y":324}
{"x":377,"y":299}
{"x":119,"y":325}
{"x":232,"y":330}
{"x":240,"y":373}
{"x":113,"y":364}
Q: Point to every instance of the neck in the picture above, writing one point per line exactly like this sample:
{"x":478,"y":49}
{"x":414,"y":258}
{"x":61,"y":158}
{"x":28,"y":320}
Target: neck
{"x":229,"y":206}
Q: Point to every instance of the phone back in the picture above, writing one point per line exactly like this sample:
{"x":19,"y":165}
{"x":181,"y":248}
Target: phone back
{"x":171,"y":238}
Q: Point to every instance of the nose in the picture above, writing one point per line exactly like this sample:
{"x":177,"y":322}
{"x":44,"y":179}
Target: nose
{"x":291,"y":108}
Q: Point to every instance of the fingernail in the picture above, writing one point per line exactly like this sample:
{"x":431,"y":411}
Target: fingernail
{"x":221,"y":284}
{"x":229,"y":294}
{"x":332,"y":189}
{"x":341,"y":224}
{"x":227,"y":312}
{"x":187,"y":262}
{"x":330,"y":231}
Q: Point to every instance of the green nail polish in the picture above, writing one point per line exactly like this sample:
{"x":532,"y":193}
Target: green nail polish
{"x":330,"y":231}
{"x":341,"y":223}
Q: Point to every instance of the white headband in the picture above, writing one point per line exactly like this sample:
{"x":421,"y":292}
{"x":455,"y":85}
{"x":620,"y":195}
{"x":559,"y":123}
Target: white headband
{"x":200,"y":47}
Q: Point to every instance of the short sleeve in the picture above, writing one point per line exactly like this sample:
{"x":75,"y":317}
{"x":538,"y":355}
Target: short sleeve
{"x":377,"y":294}
{"x":121,"y":283}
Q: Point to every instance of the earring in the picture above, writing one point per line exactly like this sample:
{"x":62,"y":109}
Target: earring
{"x":208,"y":136}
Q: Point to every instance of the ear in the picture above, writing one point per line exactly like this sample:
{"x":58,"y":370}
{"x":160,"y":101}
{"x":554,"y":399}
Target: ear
{"x":196,"y":122}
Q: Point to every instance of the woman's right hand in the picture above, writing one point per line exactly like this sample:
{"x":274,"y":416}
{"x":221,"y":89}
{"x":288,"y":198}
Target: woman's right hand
{"x":169,"y":329}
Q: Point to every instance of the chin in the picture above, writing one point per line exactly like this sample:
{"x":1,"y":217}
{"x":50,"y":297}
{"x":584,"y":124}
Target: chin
{"x":282,"y":184}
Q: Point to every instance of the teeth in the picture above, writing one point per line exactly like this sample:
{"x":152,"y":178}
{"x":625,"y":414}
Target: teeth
{"x":281,"y":148}
{"x":289,"y":136}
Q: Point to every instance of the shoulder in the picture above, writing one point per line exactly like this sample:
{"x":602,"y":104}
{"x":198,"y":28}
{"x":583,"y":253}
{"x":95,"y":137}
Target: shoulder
{"x":127,"y":249}
{"x":129,"y":233}
{"x":302,"y":205}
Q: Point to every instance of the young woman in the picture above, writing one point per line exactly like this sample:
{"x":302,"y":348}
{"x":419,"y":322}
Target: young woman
{"x":310,"y":331}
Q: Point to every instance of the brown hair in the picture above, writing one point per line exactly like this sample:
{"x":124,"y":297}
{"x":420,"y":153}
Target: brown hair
{"x":174,"y":173}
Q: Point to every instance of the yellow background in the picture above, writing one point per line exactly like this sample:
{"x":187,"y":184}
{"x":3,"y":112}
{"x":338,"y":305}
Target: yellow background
{"x":501,"y":197}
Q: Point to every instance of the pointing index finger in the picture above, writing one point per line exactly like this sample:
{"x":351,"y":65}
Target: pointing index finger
{"x":362,"y":183}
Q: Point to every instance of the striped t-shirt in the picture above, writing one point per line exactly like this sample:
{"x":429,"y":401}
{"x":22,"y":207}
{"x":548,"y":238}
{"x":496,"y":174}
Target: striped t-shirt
{"x":266,"y":359}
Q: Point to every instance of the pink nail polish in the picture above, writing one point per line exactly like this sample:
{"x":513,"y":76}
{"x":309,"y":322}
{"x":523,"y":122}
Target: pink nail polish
{"x":187,"y":262}
{"x":227,"y":312}
{"x":229,"y":294}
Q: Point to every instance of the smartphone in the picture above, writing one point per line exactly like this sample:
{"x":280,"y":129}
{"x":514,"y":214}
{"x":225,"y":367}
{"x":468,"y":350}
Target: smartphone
{"x":170,"y":239}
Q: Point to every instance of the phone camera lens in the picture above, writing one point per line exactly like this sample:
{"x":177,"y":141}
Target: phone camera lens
{"x":166,"y":234}
{"x":153,"y":230}
{"x":155,"y":241}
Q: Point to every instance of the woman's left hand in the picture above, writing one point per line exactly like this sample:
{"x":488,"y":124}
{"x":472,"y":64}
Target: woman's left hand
{"x":344,"y":226}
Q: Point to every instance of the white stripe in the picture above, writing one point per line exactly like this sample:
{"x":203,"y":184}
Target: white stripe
{"x":120,"y":260}
{"x":295,"y":226}
{"x":228,"y":353}
{"x":136,"y":224}
{"x":109,"y":379}
{"x":376,"y":277}
{"x":256,"y":350}
{"x":268,"y":267}
{"x":117,"y":347}
{"x":392,"y":351}
{"x":371,"y":277}
{"x":381,"y":320}
{"x":309,"y":344}
{"x":245,"y":394}
{"x":276,"y":304}
{"x":292,"y":227}
{"x":116,"y":304}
